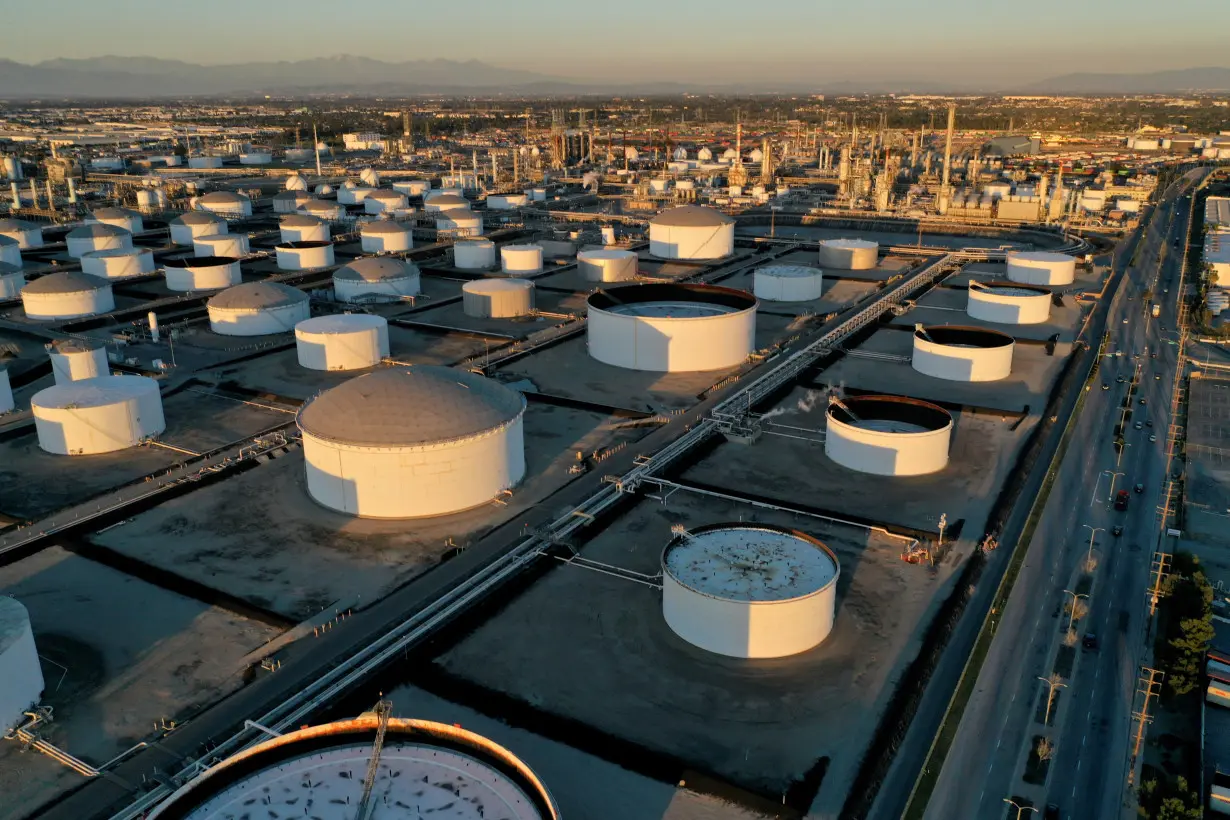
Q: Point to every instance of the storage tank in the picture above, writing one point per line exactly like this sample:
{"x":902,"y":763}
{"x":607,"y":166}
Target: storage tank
{"x":413,"y":442}
{"x":96,"y":237}
{"x":691,"y":232}
{"x":1041,"y":268}
{"x":323,"y":189}
{"x":507,"y":202}
{"x":608,"y":265}
{"x":444,"y":202}
{"x":202,"y":273}
{"x":307,"y":255}
{"x":10,"y":252}
{"x":379,"y":201}
{"x":788,"y":283}
{"x":351,"y":194}
{"x":303,"y":228}
{"x":118,"y":264}
{"x":749,"y":591}
{"x":888,"y":435}
{"x":474,"y":254}
{"x":322,"y":209}
{"x":67,"y":295}
{"x":287,"y":202}
{"x":151,"y":199}
{"x":187,"y":227}
{"x":21,"y":675}
{"x":1008,"y":303}
{"x":257,"y":309}
{"x":256,"y":158}
{"x":962,"y":354}
{"x":225,"y":203}
{"x":376,"y":278}
{"x":130,"y":221}
{"x":26,"y":234}
{"x":223,"y":244}
{"x":385,"y":236}
{"x":497,"y":298}
{"x":427,"y":770}
{"x":98,"y":415}
{"x":412,"y":187}
{"x":204,"y":162}
{"x":12,"y":280}
{"x":349,"y":341}
{"x":6,"y":391}
{"x":518,"y":260}
{"x":849,"y":254}
{"x":76,"y":359}
{"x":370,"y":177}
{"x":299,"y":154}
{"x":671,"y":327}
{"x":465,"y":223}
{"x":295,"y":182}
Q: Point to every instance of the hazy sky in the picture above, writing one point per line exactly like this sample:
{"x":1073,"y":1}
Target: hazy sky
{"x":683,"y":40}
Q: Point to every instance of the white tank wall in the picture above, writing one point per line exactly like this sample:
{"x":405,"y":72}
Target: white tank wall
{"x":112,"y":265}
{"x":777,"y":288}
{"x":691,"y":241}
{"x":319,"y":256}
{"x":484,"y":300}
{"x":256,"y":158}
{"x":411,"y":187}
{"x":848,"y":254}
{"x":10,"y":254}
{"x":474,"y":255}
{"x":354,"y":290}
{"x":236,"y":208}
{"x":79,"y":246}
{"x":11,"y":284}
{"x":667,"y":345}
{"x":262,"y":322}
{"x":469,"y":223}
{"x":1008,"y":310}
{"x":378,"y":205}
{"x":221,"y":245}
{"x":26,"y":238}
{"x":103,"y":428}
{"x":412,"y":482}
{"x":892,"y":454}
{"x":204,"y":162}
{"x":766,"y":629}
{"x":962,"y":364}
{"x":79,"y":364}
{"x":21,"y":675}
{"x":521,"y":259}
{"x":608,"y":265}
{"x":304,"y":233}
{"x":206,"y":277}
{"x":352,"y":349}
{"x":1051,"y":269}
{"x":187,"y":234}
{"x":506,"y":202}
{"x":68,"y":305}
{"x":6,"y":392}
{"x":353,"y":196}
{"x":132,"y":224}
{"x":385,"y":242}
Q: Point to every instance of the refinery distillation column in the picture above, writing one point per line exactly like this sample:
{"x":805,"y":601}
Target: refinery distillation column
{"x":945,"y":192}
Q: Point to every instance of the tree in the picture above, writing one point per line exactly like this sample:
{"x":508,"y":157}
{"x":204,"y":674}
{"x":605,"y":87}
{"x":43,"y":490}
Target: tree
{"x":1182,"y":805}
{"x":1045,"y":749}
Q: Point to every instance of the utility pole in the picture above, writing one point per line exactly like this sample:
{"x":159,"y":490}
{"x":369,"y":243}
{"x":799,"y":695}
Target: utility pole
{"x":1052,"y":684}
{"x":1161,"y":563}
{"x":1076,"y":596}
{"x":1150,"y":686}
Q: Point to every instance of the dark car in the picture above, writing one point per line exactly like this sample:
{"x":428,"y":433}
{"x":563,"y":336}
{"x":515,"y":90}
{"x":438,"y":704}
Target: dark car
{"x":1090,"y":641}
{"x":1121,"y":500}
{"x":1148,"y":422}
{"x":1116,"y":530}
{"x":1139,"y":426}
{"x":1051,"y":813}
{"x":1120,"y":380}
{"x":1142,"y":400}
{"x":1140,"y":488}
{"x":1105,"y":386}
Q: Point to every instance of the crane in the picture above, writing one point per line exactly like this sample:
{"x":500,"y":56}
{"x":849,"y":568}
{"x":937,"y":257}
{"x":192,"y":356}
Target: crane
{"x":383,"y":710}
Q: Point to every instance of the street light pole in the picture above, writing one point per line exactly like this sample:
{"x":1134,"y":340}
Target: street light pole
{"x":1113,"y":476}
{"x":1018,"y":808}
{"x":1050,"y":696}
{"x":1092,"y":531}
{"x":1072,"y":612}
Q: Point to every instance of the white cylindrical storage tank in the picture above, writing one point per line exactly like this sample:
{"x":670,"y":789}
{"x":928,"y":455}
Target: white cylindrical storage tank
{"x":608,"y":234}
{"x":204,"y":162}
{"x":73,"y":360}
{"x":608,"y":265}
{"x":187,"y":227}
{"x":467,"y":223}
{"x":1041,"y":268}
{"x":257,"y":309}
{"x":202,"y":273}
{"x":888,"y":435}
{"x":6,"y":391}
{"x":659,"y":186}
{"x":96,"y":237}
{"x":379,"y":201}
{"x":849,"y":254}
{"x":444,"y":202}
{"x":385,"y":236}
{"x":147,"y":199}
{"x":349,"y":341}
{"x":224,"y":244}
{"x":323,"y":209}
{"x":295,"y":182}
{"x":299,"y":154}
{"x":474,"y":254}
{"x":287,"y":202}
{"x":118,"y":264}
{"x":256,"y":158}
{"x":691,"y":232}
{"x":671,"y":327}
{"x":497,"y":298}
{"x":67,"y":295}
{"x":411,"y":187}
{"x":304,"y":255}
{"x":749,"y":591}
{"x":788,"y":283}
{"x":21,"y":675}
{"x":12,"y":280}
{"x":963,"y":354}
{"x":377,"y":278}
{"x":350,"y":194}
{"x":99,"y":415}
{"x":130,"y":221}
{"x":518,"y":260}
{"x":1008,"y":303}
{"x":10,"y":252}
{"x":225,"y":203}
{"x":413,"y":442}
{"x":26,"y":234}
{"x":507,"y":202}
{"x":370,"y":177}
{"x":303,"y":228}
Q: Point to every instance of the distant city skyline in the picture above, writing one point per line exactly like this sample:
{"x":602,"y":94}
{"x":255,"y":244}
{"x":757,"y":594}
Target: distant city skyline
{"x":640,"y":40}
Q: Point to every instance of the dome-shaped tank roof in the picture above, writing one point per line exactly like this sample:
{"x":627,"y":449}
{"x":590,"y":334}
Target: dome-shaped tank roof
{"x":300,"y":221}
{"x":66,"y":282}
{"x":409,"y":406}
{"x":257,"y":296}
{"x":447,"y":199}
{"x":319,"y":205}
{"x":385,"y":193}
{"x":375,"y":269}
{"x":96,"y":229}
{"x":222,"y":198}
{"x":383,"y":226}
{"x":16,"y":225}
{"x":340,"y":323}
{"x":196,"y":218}
{"x":96,"y":392}
{"x":696,"y":216}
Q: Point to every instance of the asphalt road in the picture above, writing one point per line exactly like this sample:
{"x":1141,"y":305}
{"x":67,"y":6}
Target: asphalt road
{"x":1092,"y":723}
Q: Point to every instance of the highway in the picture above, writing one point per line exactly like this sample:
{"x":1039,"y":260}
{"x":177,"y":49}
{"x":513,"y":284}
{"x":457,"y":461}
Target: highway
{"x":1092,"y":720}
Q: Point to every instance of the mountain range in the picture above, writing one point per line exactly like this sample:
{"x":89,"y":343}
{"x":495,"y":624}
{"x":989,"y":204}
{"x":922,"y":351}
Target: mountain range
{"x":147,"y":77}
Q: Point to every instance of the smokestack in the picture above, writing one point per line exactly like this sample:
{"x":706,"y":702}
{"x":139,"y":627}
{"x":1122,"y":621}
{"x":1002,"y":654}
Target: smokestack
{"x":316,"y":146}
{"x":952,"y":113}
{"x":153,"y":325}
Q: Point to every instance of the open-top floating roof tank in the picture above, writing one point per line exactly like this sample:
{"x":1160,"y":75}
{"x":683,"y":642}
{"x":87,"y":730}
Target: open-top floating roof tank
{"x":497,"y":298}
{"x":425,"y":769}
{"x":1041,"y":268}
{"x":308,"y":255}
{"x":257,"y":309}
{"x":96,"y":237}
{"x":788,"y":283}
{"x":608,"y":265}
{"x":849,"y":254}
{"x":225,"y":244}
{"x":75,"y":359}
{"x":413,"y":442}
{"x":671,"y":328}
{"x":963,"y":354}
{"x":21,"y":676}
{"x":474,"y":254}
{"x":202,"y":273}
{"x":349,"y":341}
{"x":888,"y":435}
{"x":376,"y":278}
{"x":118,"y":264}
{"x":185,"y":228}
{"x":98,"y":415}
{"x":67,"y":295}
{"x":691,"y":232}
{"x":749,"y":591}
{"x":26,"y":234}
{"x":1008,"y":303}
{"x":385,"y":236}
{"x":303,"y":228}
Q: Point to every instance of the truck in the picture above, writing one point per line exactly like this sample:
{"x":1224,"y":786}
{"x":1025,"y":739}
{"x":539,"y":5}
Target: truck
{"x":1121,"y":500}
{"x":1157,"y":310}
